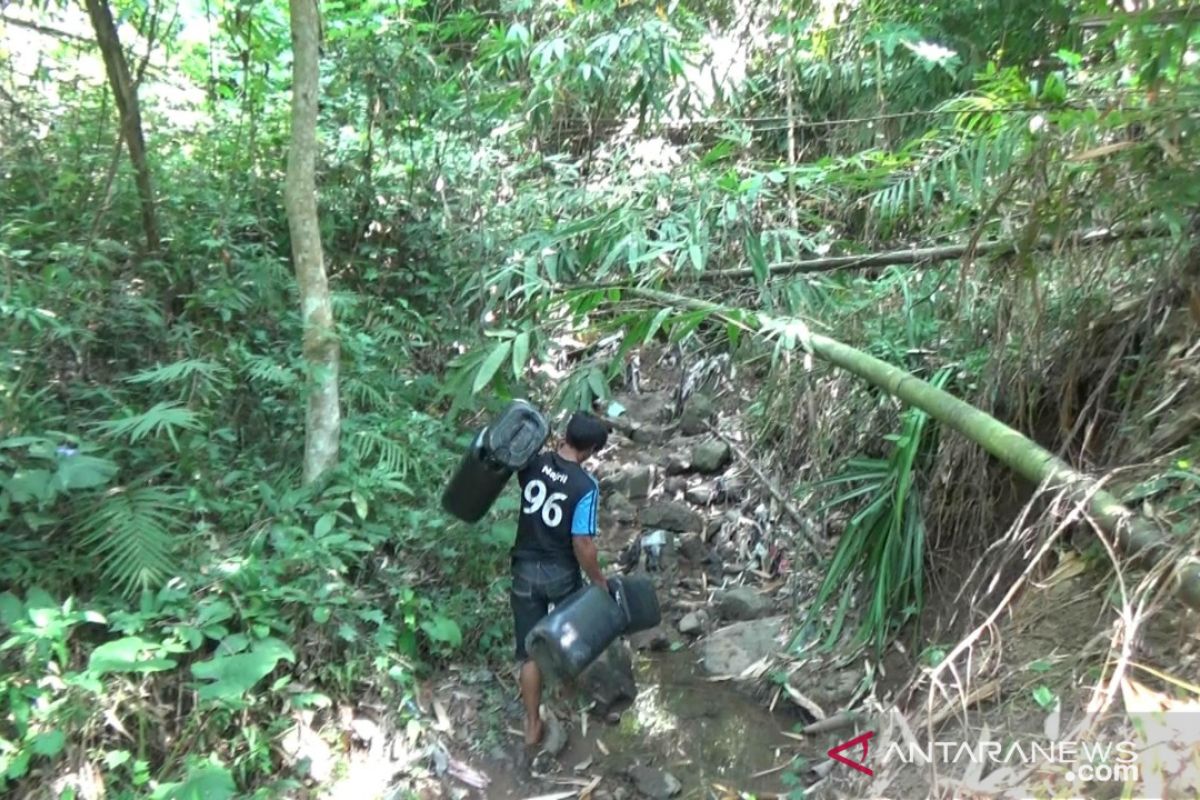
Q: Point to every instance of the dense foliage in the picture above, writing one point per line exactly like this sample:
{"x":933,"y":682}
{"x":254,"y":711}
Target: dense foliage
{"x":494,"y":177}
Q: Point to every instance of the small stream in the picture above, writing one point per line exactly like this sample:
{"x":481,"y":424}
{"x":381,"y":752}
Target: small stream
{"x":708,"y":734}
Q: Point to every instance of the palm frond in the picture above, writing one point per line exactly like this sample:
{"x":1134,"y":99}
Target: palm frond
{"x":183,"y":371}
{"x":167,"y":416}
{"x":133,"y":535}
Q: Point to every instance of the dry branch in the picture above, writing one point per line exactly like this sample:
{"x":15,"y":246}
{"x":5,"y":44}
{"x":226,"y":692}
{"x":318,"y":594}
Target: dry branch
{"x":948,"y":252}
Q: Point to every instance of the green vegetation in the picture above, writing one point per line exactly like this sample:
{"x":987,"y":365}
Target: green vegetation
{"x":513,"y":199}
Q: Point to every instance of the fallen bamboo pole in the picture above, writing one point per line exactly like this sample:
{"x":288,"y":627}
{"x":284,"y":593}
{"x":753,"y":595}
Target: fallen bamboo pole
{"x":1135,"y":535}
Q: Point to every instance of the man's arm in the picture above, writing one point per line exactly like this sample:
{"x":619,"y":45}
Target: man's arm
{"x":588,"y":556}
{"x":583,"y":537}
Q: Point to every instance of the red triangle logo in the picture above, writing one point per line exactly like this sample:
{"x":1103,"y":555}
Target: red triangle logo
{"x":836,"y":752}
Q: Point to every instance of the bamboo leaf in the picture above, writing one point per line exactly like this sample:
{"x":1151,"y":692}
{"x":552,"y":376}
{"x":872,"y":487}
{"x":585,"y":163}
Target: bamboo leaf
{"x":491,"y":364}
{"x":520,"y":353}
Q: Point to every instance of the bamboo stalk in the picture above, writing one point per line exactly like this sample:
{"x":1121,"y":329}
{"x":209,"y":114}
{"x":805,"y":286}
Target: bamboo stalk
{"x":1136,"y":536}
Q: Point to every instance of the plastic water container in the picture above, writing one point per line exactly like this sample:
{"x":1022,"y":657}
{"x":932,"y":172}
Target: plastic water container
{"x":576,"y":633}
{"x":476,"y":483}
{"x":638,"y":602}
{"x":516,"y":436}
{"x":496,"y":452}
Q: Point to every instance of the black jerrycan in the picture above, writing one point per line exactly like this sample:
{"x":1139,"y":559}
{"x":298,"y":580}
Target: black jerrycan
{"x":496,"y":452}
{"x":636,"y":598}
{"x":574,"y":635}
{"x":579,"y":630}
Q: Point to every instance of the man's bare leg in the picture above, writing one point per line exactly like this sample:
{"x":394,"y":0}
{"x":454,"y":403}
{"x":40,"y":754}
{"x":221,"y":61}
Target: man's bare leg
{"x":531,"y":696}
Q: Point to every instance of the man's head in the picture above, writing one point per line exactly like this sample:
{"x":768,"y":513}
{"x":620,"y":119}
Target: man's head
{"x":586,"y":435}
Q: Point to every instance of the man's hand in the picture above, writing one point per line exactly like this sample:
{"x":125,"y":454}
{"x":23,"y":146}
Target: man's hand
{"x":589,"y":559}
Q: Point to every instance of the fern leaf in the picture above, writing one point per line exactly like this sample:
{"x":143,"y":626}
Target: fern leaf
{"x":132,"y":534}
{"x":166,"y":416}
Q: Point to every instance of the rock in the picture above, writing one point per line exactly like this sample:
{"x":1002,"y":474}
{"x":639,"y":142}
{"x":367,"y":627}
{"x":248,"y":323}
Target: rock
{"x":693,"y":623}
{"x":830,"y":689}
{"x":678,"y":464}
{"x":554,"y":736}
{"x":742,"y":603}
{"x":730,"y":650}
{"x":650,"y":434}
{"x":673,"y":516}
{"x":655,"y":640}
{"x":655,"y":783}
{"x":701,"y":495}
{"x":711,"y":456}
{"x":692,"y":547}
{"x":609,"y":679}
{"x":674,"y":485}
{"x":632,"y":481}
{"x":618,"y":507}
{"x":650,"y":406}
{"x":696,"y":415}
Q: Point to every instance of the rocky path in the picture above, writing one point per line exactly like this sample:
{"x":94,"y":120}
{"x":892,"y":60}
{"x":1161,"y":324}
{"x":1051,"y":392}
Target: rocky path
{"x":686,"y":709}
{"x":700,"y":707}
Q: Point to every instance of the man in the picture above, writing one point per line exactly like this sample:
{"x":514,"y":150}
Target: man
{"x":556,"y":536}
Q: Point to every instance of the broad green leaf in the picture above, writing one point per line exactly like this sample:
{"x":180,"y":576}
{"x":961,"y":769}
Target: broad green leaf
{"x":29,"y":485}
{"x":129,"y":654}
{"x":230,"y":676}
{"x":443,"y":629}
{"x":491,"y":364}
{"x":12,"y":610}
{"x":321,"y":614}
{"x":206,"y":782}
{"x":49,"y":744}
{"x":324,"y":524}
{"x":83,"y":472}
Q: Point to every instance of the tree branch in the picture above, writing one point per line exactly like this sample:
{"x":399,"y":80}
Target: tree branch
{"x":45,"y":30}
{"x":949,"y":252}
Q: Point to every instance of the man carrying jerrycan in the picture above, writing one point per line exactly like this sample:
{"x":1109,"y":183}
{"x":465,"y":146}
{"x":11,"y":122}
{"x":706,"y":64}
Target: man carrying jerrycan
{"x":556,"y":537}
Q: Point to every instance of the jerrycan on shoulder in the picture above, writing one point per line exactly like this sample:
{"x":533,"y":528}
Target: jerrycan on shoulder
{"x":500,"y":449}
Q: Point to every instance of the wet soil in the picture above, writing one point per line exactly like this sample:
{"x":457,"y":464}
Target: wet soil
{"x":713,"y":737}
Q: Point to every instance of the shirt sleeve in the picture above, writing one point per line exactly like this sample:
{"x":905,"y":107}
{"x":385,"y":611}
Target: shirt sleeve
{"x":584,"y":521}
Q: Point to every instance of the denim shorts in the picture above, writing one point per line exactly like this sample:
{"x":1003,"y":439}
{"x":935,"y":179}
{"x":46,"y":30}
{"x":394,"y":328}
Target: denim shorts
{"x":536,"y":587}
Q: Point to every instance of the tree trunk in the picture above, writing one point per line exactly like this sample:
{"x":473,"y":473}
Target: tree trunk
{"x":321,"y":349}
{"x":1135,"y":535}
{"x":125,"y":94}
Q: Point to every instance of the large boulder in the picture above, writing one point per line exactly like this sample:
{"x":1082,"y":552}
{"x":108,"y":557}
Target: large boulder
{"x":609,"y":679}
{"x":731,"y":650}
{"x":711,"y":456}
{"x":742,"y":603}
{"x":672,"y":515}
{"x":697,"y":413}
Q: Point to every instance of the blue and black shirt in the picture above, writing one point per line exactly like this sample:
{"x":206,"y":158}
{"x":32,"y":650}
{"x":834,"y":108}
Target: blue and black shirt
{"x":559,"y":500}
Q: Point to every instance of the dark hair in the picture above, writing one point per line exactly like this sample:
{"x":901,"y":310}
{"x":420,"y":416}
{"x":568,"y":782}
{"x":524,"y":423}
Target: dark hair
{"x":586,"y":433}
